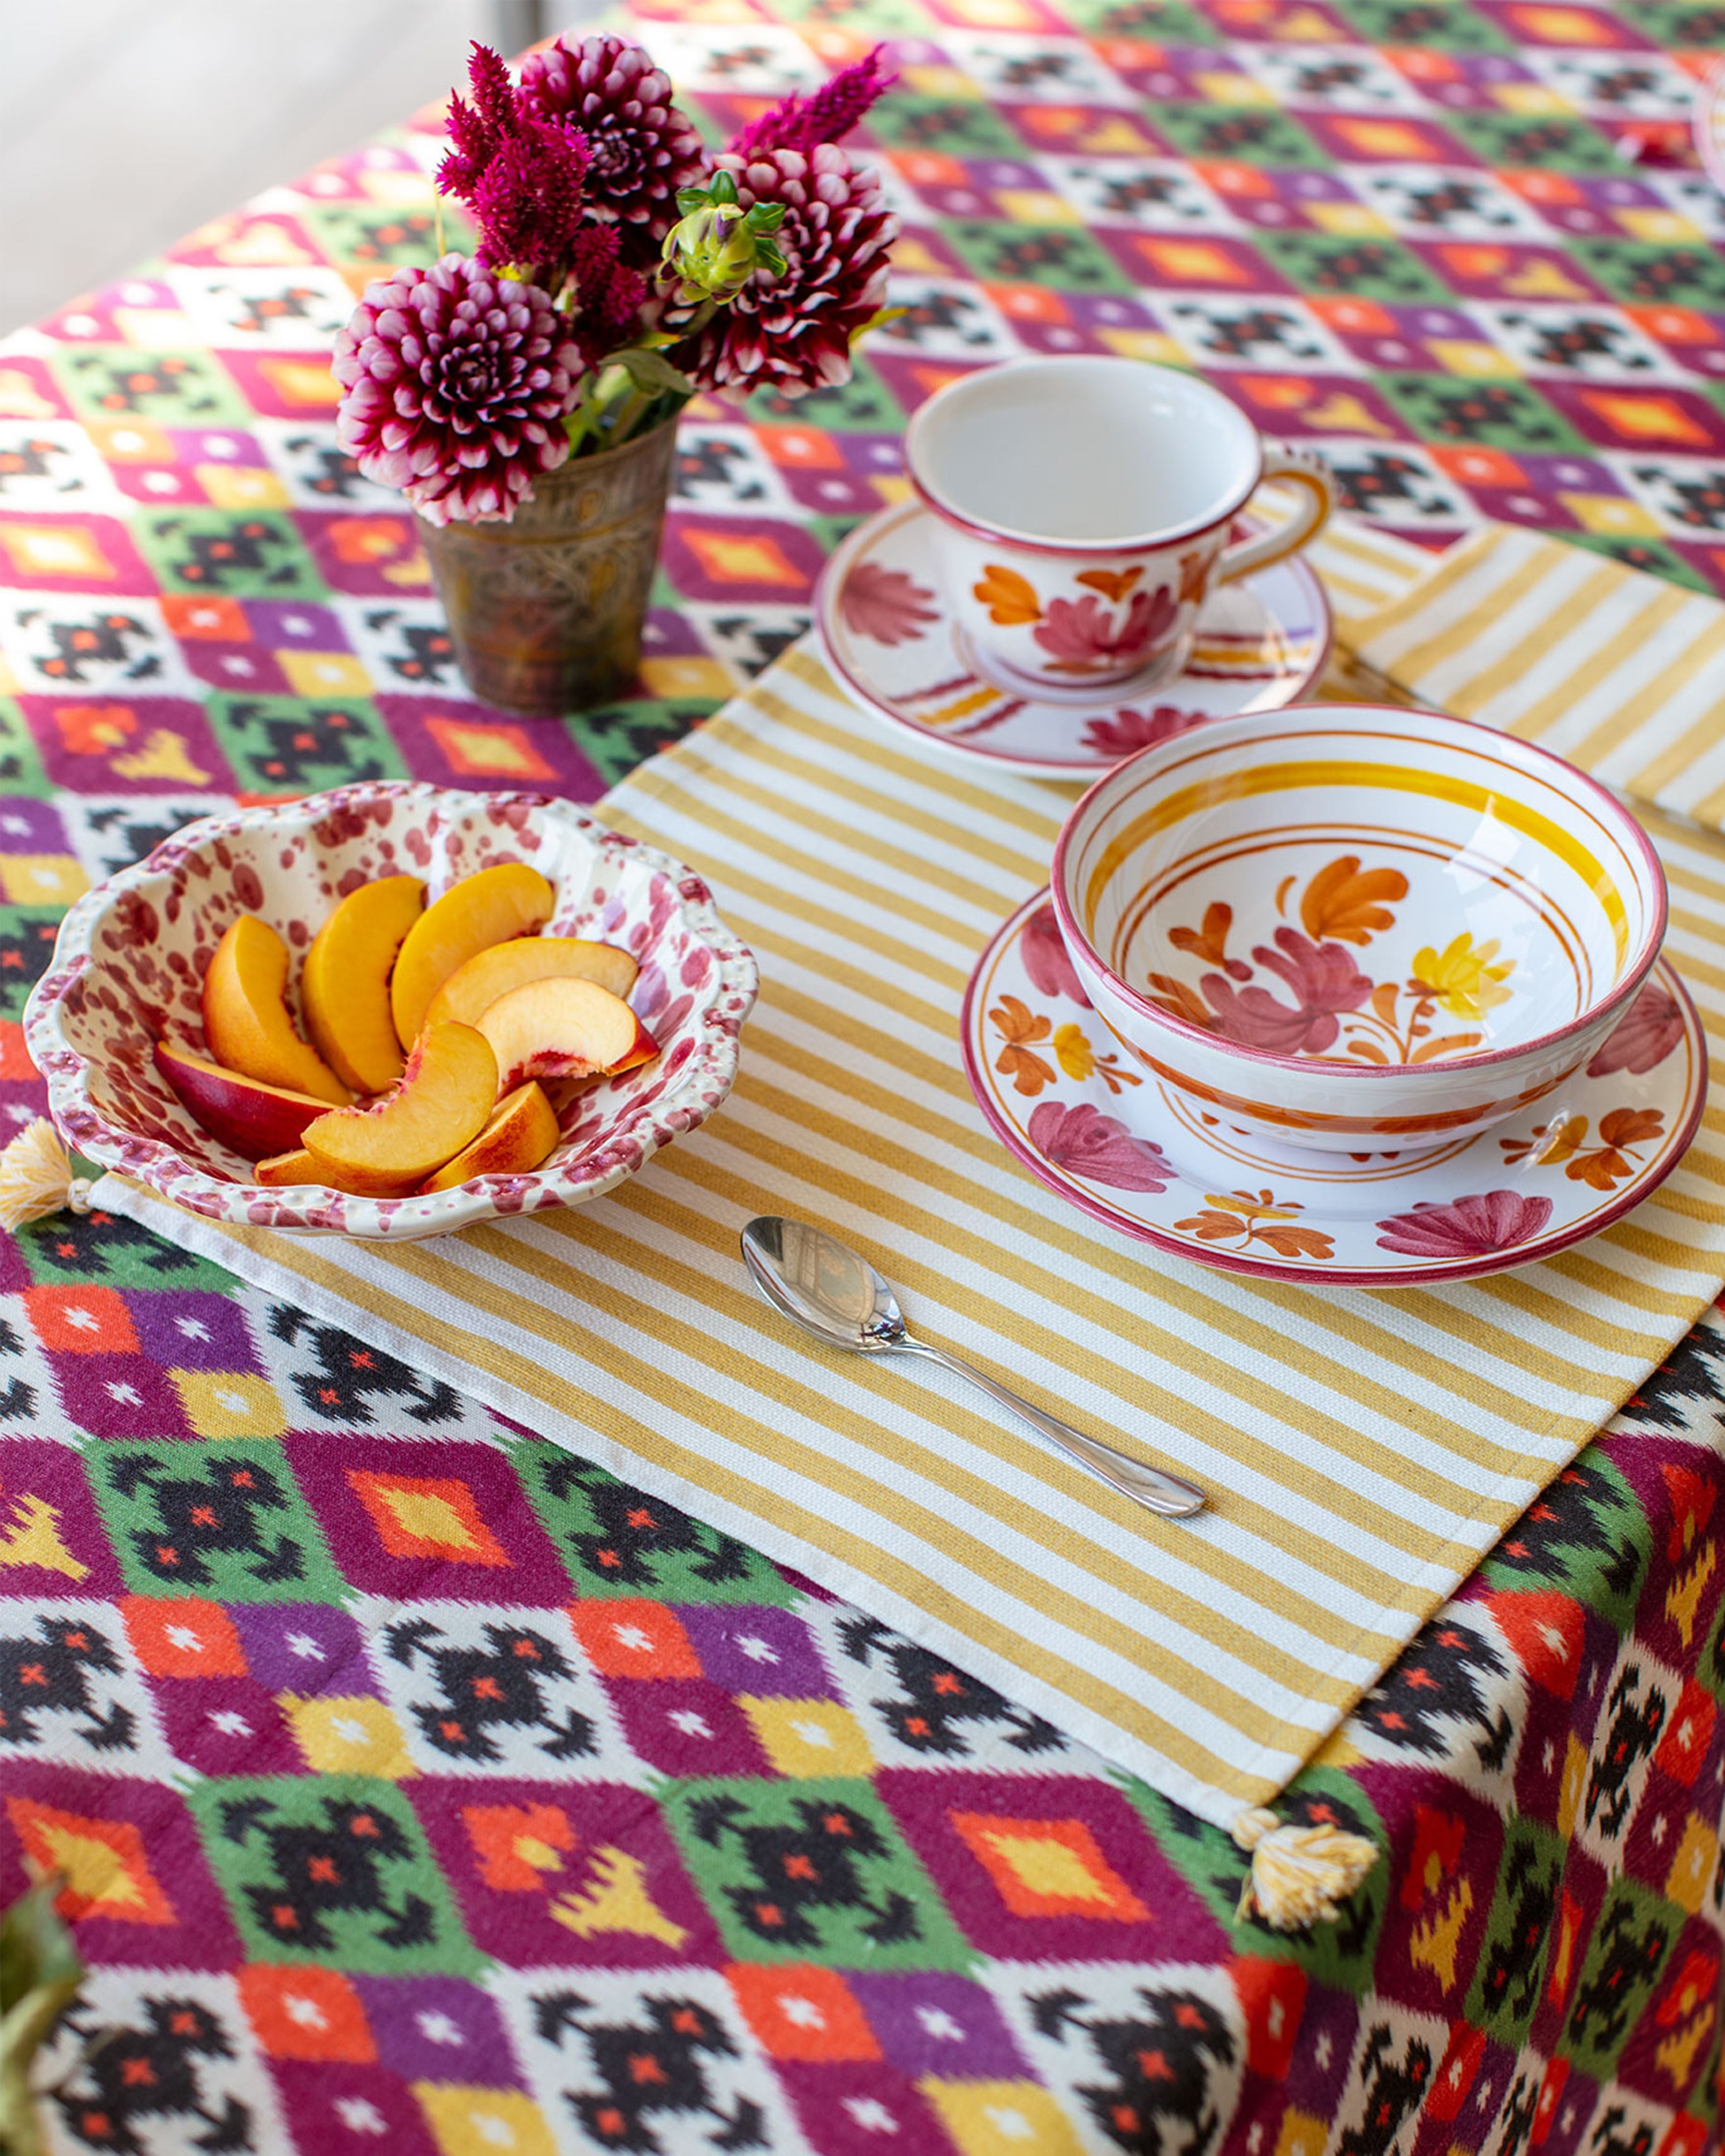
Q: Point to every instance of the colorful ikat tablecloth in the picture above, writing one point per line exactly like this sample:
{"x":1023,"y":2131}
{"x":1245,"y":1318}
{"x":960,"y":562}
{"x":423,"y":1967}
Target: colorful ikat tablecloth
{"x":416,"y":1786}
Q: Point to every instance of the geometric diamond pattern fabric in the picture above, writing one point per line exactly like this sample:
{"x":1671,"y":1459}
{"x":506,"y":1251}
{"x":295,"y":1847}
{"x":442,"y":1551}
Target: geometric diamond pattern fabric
{"x":416,"y":1784}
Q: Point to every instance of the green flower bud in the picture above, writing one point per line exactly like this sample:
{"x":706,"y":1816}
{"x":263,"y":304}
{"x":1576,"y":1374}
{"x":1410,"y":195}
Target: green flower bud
{"x":716,"y":246}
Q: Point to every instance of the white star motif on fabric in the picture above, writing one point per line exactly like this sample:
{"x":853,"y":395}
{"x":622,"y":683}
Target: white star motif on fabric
{"x":1010,"y":2125}
{"x":349,"y":1730}
{"x":815,"y":1734}
{"x":236,"y":1403}
{"x":14,"y":826}
{"x":229,"y":1721}
{"x":305,"y":1647}
{"x":634,"y":1638}
{"x":296,"y":624}
{"x":75,"y":1314}
{"x":690,"y":1721}
{"x":194,"y":1328}
{"x":1321,"y":2050}
{"x":186,"y":1638}
{"x":125,"y":1396}
{"x":871,"y":2114}
{"x":306,"y":2012}
{"x":800,"y":2012}
{"x":360,"y":2115}
{"x":756,"y":1648}
{"x":490,"y":2128}
{"x":940,"y":2024}
{"x":1548,"y":1757}
{"x":438,"y":2028}
{"x":1658,"y":1831}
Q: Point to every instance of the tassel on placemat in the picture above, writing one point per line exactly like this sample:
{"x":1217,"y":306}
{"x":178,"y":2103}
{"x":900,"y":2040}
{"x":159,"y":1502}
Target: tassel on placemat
{"x":36,"y":1178}
{"x":1300,"y":1875}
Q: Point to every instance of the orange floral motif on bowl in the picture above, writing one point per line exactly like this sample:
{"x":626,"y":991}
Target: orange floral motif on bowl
{"x":1332,"y":999}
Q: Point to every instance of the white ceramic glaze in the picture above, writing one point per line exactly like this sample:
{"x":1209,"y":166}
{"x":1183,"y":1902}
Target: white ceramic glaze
{"x":1084,"y":508}
{"x":1358,"y":927}
{"x":1148,"y":1161}
{"x":1261,"y":644}
{"x":132,"y":954}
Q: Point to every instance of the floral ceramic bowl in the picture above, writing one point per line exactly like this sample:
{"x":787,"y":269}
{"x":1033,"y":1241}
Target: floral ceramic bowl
{"x":131,"y":959}
{"x":1354,"y":927}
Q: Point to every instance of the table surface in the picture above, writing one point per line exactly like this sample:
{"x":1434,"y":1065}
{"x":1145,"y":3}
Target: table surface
{"x":416,"y":1782}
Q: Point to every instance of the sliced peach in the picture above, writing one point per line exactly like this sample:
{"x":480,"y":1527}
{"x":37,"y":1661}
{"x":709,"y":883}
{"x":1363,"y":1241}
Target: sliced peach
{"x":522,"y":1133}
{"x":471,"y":989}
{"x":298,"y":1167}
{"x":443,"y":1101}
{"x":254,"y":1119}
{"x":487,"y":907}
{"x":345,"y":985}
{"x":564,"y":1029}
{"x":245,"y":1015}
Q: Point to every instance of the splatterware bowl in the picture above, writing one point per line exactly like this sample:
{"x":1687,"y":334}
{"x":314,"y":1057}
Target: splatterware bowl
{"x":1355,"y":928}
{"x":129,"y":966}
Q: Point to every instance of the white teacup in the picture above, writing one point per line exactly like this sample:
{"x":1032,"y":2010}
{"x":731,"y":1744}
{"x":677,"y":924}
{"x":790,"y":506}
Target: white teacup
{"x":1084,"y":506}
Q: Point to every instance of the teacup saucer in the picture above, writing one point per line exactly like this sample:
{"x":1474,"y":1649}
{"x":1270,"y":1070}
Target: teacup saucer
{"x":1261,"y":643}
{"x":1066,"y":1098}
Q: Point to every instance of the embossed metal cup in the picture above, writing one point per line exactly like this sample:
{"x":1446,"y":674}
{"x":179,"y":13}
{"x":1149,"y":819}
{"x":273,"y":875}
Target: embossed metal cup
{"x":547,"y":610}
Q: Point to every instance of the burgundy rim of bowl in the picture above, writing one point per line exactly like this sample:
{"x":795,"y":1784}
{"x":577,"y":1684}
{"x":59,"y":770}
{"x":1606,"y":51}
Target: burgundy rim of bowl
{"x":1183,"y":1029}
{"x":1212,"y":1256}
{"x":1139,"y":542}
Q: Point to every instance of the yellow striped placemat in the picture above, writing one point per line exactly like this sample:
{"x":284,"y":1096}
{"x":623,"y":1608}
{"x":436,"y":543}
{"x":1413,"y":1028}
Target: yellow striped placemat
{"x":1363,"y":1450}
{"x":1622,"y":673}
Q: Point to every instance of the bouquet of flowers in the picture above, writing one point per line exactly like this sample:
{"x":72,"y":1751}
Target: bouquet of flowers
{"x":618,"y":270}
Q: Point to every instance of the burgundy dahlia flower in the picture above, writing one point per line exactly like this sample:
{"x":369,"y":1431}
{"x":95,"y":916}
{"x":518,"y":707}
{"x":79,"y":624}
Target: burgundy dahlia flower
{"x":641,"y":147}
{"x":455,"y":386}
{"x":793,"y":329}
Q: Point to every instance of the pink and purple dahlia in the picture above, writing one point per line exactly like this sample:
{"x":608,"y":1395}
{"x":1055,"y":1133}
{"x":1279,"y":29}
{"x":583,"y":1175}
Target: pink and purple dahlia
{"x":641,"y":148}
{"x":455,"y":386}
{"x":793,"y":330}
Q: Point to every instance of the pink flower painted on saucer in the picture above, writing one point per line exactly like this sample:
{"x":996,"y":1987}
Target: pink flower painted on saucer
{"x":1644,"y":1038}
{"x":886,"y":604}
{"x":1098,"y":1147}
{"x":1466,"y":1227}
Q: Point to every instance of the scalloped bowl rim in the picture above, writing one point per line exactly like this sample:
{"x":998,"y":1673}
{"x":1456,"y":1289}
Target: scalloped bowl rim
{"x":696,"y":1090}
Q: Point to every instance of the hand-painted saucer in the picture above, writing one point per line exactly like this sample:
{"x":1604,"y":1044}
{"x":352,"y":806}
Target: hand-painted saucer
{"x":1261,"y":643}
{"x":1066,"y":1098}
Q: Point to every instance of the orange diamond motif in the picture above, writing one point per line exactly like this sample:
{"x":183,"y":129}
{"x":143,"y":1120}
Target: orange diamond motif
{"x":748,"y":557}
{"x":1193,"y":262}
{"x":101,"y":1860}
{"x":517,"y":1844}
{"x":1049,"y":1868}
{"x":1646,"y":418}
{"x":1384,"y":138}
{"x":427,"y":1516}
{"x":490,"y":751}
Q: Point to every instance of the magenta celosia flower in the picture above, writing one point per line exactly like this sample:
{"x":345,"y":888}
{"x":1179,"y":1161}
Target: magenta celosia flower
{"x":801,"y":123}
{"x":641,"y":147}
{"x":604,"y":297}
{"x":522,"y":174}
{"x":793,"y":329}
{"x":456,"y":387}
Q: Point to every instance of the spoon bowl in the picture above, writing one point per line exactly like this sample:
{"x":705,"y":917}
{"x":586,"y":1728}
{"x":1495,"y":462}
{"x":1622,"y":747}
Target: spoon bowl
{"x":836,"y":1296}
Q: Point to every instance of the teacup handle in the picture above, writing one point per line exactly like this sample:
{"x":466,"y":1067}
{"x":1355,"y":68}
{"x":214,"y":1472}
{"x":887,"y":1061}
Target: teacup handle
{"x":1247,"y":555}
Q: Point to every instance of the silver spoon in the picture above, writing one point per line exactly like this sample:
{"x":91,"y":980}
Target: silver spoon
{"x":821,"y":1285}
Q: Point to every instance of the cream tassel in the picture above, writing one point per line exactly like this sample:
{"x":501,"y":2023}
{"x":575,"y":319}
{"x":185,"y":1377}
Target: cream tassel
{"x":1299,"y":1874}
{"x":36,"y":1178}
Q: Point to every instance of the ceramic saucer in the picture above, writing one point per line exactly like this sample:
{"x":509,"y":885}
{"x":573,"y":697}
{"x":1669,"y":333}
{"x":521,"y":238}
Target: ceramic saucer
{"x":1261,"y":643}
{"x":1068,"y":1100}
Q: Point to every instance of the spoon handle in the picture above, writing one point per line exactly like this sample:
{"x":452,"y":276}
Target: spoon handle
{"x":1166,"y":1494}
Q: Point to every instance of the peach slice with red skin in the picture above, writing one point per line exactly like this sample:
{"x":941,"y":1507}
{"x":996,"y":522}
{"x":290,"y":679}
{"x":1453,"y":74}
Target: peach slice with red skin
{"x":522,"y":1134}
{"x":344,"y":983}
{"x":253,"y":1119}
{"x":471,"y":989}
{"x":443,"y":1101}
{"x":490,"y":906}
{"x":245,"y":1015}
{"x":286,"y":1169}
{"x":561,"y":1028}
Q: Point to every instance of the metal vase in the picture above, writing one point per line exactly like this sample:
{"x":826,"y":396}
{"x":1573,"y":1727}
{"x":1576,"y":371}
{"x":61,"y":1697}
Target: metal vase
{"x":546,"y":611}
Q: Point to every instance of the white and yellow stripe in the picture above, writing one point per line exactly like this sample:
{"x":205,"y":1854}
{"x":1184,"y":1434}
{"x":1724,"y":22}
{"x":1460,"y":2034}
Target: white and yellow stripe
{"x":1363,"y":1450}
